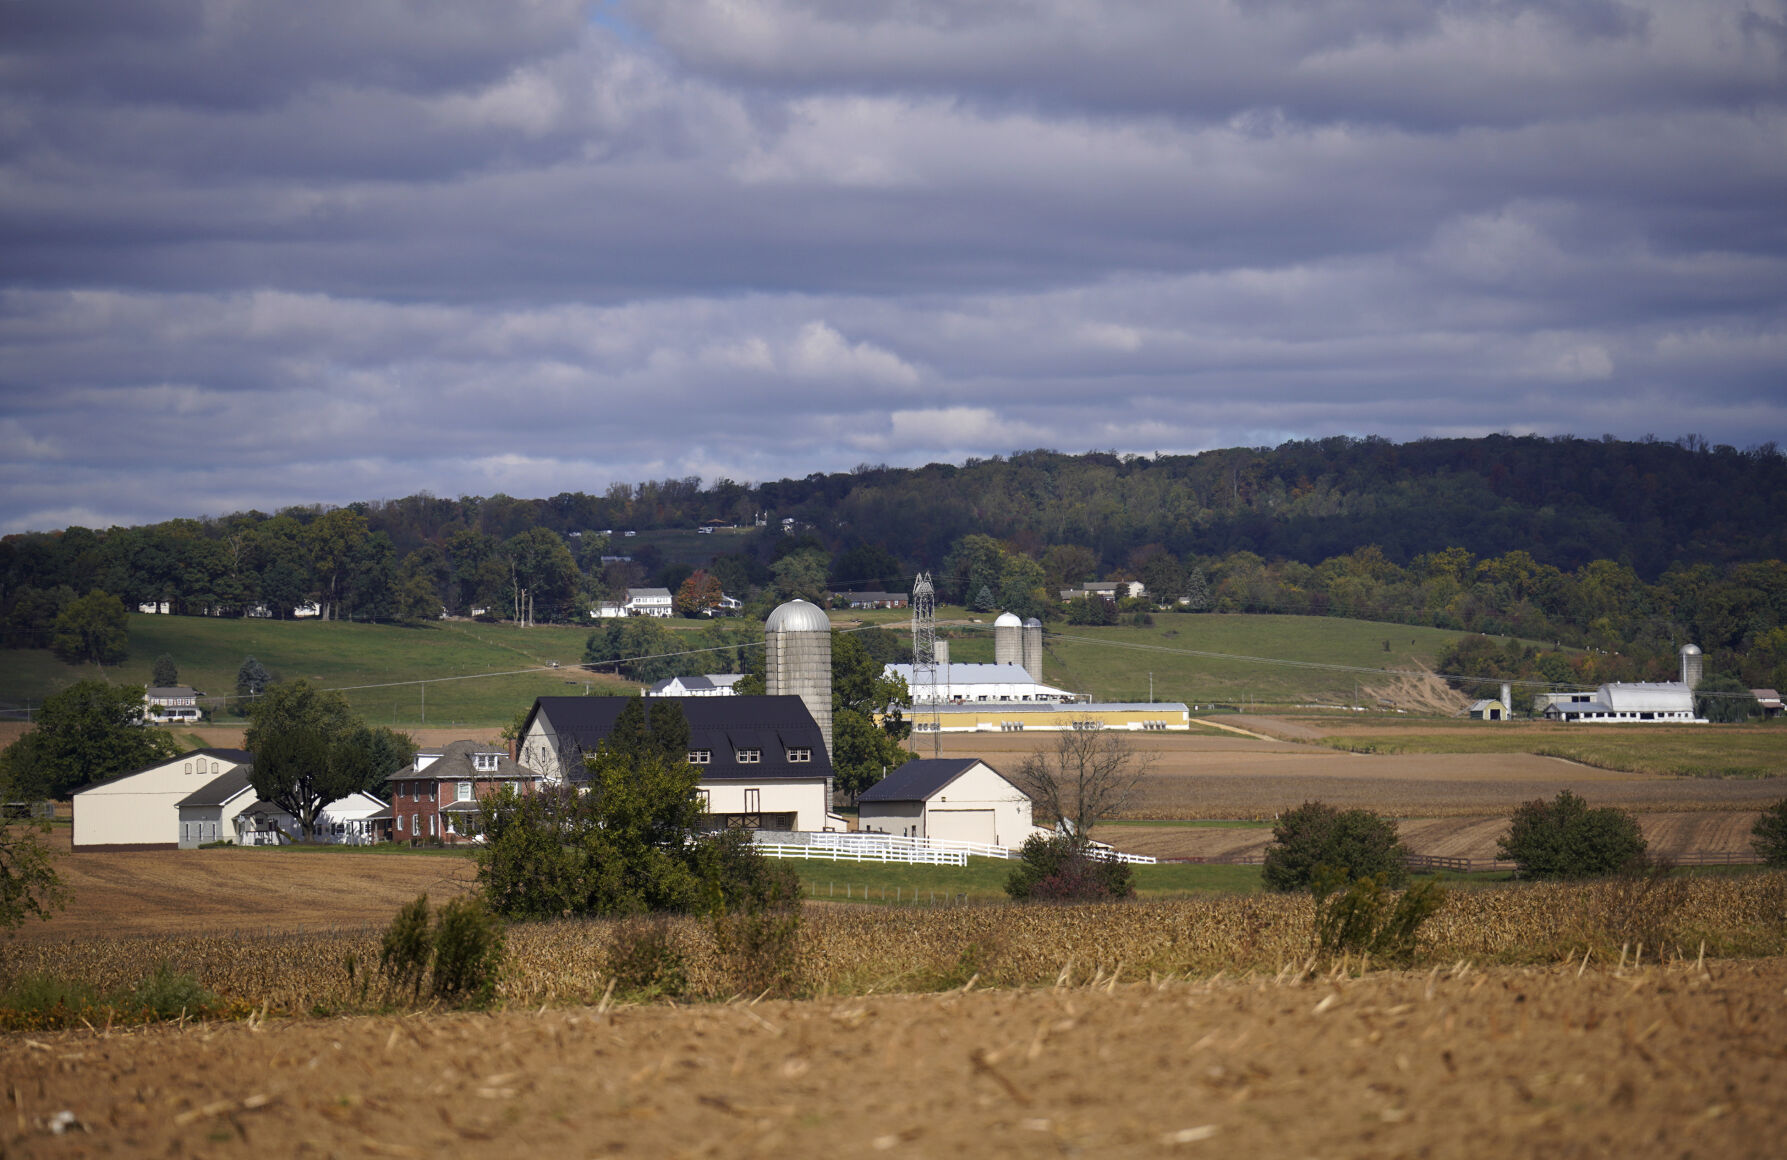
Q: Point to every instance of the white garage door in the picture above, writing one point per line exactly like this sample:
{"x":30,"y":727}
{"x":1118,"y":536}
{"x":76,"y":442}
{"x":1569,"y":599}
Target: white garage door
{"x":961,"y":825}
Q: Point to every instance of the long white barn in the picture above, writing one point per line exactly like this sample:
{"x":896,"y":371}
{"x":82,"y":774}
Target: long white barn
{"x":1623,"y":704}
{"x":961,"y":684}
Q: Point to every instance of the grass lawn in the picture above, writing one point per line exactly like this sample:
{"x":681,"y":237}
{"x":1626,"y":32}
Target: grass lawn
{"x":1683,"y":750}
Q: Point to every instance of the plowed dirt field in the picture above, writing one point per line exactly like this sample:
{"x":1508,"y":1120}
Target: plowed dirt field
{"x":1656,"y":1062}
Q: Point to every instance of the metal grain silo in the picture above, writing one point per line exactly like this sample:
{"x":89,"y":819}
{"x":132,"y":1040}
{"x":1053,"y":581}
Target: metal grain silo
{"x":797,"y":637}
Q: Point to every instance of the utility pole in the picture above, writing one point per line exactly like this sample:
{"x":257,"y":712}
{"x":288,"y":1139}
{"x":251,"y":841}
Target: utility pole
{"x":1150,"y":688}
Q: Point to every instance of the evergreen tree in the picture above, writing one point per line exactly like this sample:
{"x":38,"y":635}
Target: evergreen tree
{"x":166,"y":673}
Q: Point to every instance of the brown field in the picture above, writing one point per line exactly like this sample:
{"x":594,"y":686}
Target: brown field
{"x":221,"y":890}
{"x":1223,"y":774}
{"x":1698,"y":832}
{"x":1542,"y":1061}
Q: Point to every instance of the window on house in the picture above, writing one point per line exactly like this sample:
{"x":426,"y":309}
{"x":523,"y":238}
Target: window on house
{"x":800,"y":755}
{"x":706,"y":804}
{"x":400,"y":823}
{"x":750,"y":756}
{"x":484,"y":761}
{"x":701,"y":756}
{"x":189,"y":767}
{"x":753,"y":801}
{"x":465,"y":791}
{"x":432,"y":819}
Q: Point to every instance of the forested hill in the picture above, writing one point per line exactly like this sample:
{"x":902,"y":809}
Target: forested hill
{"x":1565,"y":501}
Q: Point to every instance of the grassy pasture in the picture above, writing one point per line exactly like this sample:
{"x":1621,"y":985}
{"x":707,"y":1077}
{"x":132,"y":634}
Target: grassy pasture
{"x":1665,"y":750}
{"x":342,"y":654}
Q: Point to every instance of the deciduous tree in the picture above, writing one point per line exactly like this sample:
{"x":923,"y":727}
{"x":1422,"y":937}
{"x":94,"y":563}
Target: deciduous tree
{"x":88,"y":732}
{"x":1353,"y":844}
{"x":310,"y":749}
{"x":1564,"y":838}
{"x":94,"y":627}
{"x":1089,"y":775}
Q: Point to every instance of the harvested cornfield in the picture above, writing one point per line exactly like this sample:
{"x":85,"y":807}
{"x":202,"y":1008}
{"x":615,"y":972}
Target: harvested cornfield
{"x":1677,"y":1059}
{"x":859,"y":950}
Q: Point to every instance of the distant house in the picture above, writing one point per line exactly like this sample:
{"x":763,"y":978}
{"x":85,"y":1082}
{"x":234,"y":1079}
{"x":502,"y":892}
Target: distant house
{"x":870,"y":599}
{"x":955,"y":799}
{"x":154,"y":607}
{"x":1769,"y":700}
{"x":1109,"y":589}
{"x":649,"y":602}
{"x":717,"y":685}
{"x":1622,"y":704}
{"x":438,"y":798}
{"x":1488,"y":711}
{"x":762,"y":759}
{"x":608,"y":610}
{"x":171,"y":703}
{"x":140,"y":810}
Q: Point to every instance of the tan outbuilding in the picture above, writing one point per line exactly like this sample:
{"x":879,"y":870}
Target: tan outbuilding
{"x":140,"y":810}
{"x":947,"y":799}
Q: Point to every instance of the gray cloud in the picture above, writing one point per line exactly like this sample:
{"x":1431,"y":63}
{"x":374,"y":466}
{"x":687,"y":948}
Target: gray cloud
{"x":259,"y":255}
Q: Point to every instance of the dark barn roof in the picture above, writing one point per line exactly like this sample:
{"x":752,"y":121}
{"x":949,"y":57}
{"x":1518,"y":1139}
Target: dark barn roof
{"x":917,"y":780}
{"x":219,"y":789}
{"x":721,"y":725}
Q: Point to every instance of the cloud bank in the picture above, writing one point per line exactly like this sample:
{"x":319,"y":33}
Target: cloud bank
{"x":259,"y":254}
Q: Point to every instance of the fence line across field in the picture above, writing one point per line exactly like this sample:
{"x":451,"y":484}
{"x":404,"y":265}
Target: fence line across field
{"x":872,"y":847}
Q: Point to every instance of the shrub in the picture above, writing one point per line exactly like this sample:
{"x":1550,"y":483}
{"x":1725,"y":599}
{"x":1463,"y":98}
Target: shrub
{"x":407,"y":950}
{"x":1059,"y":869}
{"x":1354,"y":843}
{"x":757,"y":933}
{"x":1359,"y":916}
{"x":468,"y":951}
{"x":1768,"y":837}
{"x":168,"y":994}
{"x":1566,"y":839}
{"x":645,"y":960}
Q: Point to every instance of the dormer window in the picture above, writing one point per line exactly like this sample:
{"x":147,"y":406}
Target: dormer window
{"x":701,"y":756}
{"x":485,"y":762}
{"x":750,"y":756}
{"x":798,"y":756}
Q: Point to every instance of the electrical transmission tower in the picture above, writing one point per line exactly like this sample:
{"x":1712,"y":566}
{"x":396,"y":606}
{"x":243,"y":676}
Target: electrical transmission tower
{"x":924,"y":652}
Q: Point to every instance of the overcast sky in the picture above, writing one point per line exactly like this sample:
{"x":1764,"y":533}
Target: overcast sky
{"x":256,"y":253}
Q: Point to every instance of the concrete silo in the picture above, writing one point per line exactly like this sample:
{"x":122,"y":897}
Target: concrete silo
{"x":1693,"y":665}
{"x":1008,"y":640}
{"x":797,"y":637}
{"x":1033,"y":649}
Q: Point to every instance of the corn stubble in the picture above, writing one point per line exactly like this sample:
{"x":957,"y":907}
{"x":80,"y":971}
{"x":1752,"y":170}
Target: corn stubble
{"x":851,"y":950}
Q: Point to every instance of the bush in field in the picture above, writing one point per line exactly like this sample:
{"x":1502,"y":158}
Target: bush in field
{"x":1769,"y":835}
{"x":1354,"y":843}
{"x":468,"y":951}
{"x":646,"y":961}
{"x":1564,"y":838}
{"x":458,"y":954}
{"x":1359,"y":916}
{"x":1059,"y":869}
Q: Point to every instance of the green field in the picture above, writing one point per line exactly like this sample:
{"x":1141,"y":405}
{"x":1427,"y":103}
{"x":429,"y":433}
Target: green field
{"x":458,"y":659}
{"x":1113,"y":664}
{"x":344,"y":655}
{"x":1676,"y":751}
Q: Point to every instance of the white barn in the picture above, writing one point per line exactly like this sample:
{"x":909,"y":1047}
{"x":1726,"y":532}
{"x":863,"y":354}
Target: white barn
{"x":140,"y":810}
{"x":953,"y":799}
{"x":972,"y":683}
{"x":1624,"y":704}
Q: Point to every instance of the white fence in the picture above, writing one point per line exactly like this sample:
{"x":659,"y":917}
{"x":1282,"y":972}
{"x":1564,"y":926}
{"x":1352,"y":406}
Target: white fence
{"x":867,"y":846}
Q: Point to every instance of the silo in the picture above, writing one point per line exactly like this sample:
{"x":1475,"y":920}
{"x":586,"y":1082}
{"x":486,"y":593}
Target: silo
{"x":797,"y":638}
{"x":1008,"y":640}
{"x":1033,"y":649}
{"x":1693,"y":665}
